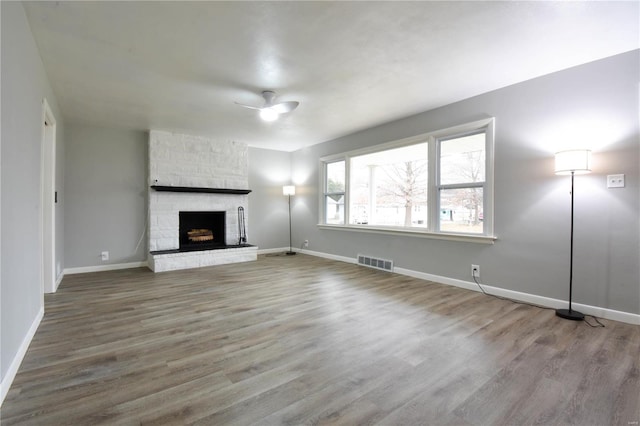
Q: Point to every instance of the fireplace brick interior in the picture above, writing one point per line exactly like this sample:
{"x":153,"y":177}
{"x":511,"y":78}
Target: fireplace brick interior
{"x":202,"y":230}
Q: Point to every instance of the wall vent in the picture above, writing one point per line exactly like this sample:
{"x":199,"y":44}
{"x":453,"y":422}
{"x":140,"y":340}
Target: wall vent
{"x":372,"y":262}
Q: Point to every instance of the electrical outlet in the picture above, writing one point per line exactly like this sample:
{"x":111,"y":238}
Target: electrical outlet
{"x":104,"y":255}
{"x":475,"y":271}
{"x":615,"y":181}
{"x":306,"y":243}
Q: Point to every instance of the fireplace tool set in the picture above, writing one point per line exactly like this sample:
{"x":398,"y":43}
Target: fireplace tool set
{"x":242,"y":232}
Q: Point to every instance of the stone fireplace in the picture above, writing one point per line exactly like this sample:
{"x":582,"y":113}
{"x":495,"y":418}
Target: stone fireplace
{"x":188,"y":176}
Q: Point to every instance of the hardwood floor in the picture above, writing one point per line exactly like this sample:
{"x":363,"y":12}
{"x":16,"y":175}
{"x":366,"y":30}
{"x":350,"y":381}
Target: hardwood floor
{"x":303,"y":340}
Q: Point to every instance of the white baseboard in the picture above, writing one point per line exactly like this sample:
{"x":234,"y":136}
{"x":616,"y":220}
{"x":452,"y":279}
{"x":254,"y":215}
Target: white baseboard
{"x":303,"y":251}
{"x":7,"y":380}
{"x":58,"y":281}
{"x":327,"y":255}
{"x":101,"y":268}
{"x":548,"y":302}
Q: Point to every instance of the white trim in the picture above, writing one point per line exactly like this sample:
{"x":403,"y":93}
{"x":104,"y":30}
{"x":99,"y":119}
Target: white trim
{"x":47,"y":202}
{"x":610,"y":314}
{"x":59,"y":279}
{"x":101,"y":268}
{"x":328,"y":256}
{"x":548,"y":302}
{"x":470,"y":238}
{"x":488,"y":192}
{"x":7,"y":380}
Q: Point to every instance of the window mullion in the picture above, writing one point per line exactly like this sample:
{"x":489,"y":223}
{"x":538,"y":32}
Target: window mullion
{"x":488,"y":191}
{"x":323,"y":189}
{"x":347,"y":190}
{"x":462,"y":185}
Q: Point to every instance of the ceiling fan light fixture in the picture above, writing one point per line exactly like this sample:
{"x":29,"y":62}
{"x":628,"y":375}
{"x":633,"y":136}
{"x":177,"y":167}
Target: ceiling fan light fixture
{"x":268,"y":114}
{"x":270,"y":111}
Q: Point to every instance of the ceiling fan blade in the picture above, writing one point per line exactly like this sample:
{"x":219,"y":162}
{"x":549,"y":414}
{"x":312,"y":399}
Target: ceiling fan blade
{"x":248,"y":106}
{"x":284,"y":107}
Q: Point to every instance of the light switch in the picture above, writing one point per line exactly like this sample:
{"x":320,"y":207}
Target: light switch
{"x":615,"y":181}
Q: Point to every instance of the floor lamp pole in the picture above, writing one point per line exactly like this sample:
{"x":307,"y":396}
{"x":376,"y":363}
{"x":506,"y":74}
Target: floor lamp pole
{"x":290,"y":252}
{"x":570,"y":247}
{"x":570,"y":313}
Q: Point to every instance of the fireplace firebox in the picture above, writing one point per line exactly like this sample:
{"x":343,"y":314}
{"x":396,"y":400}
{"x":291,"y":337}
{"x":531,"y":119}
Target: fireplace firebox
{"x":202,"y":230}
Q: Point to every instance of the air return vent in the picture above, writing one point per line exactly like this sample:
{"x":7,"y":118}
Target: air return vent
{"x":372,"y":262}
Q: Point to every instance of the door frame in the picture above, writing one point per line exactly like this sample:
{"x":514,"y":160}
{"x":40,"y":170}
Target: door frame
{"x":48,"y":200}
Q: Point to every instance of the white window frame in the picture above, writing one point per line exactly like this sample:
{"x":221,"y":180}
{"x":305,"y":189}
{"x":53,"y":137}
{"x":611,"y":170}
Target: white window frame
{"x":433,"y":140}
{"x":324,"y":191}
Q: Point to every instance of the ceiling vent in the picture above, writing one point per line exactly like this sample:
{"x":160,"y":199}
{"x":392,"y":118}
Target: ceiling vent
{"x":372,"y":262}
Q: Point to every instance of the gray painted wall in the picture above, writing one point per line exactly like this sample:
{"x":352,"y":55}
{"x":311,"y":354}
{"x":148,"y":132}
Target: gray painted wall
{"x":268,"y":215}
{"x":24,"y":85}
{"x":106,"y":201}
{"x":594,"y":105}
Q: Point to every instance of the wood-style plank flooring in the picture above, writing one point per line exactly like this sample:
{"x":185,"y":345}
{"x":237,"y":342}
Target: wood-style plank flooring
{"x":302,"y":340}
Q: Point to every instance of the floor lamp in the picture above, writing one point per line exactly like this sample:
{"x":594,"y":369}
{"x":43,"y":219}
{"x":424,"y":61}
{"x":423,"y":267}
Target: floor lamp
{"x":572,"y":162}
{"x":289,"y":190}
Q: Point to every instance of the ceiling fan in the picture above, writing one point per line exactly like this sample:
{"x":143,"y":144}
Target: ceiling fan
{"x":271,"y":111}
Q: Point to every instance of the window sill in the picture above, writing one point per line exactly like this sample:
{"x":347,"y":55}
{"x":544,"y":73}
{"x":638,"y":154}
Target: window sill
{"x":483,"y":239}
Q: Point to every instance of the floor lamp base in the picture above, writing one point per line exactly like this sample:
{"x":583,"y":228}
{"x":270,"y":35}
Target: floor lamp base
{"x":570,"y":314}
{"x":289,"y":253}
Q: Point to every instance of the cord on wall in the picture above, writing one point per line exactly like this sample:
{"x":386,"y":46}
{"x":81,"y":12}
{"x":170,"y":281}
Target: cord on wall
{"x":144,"y":230}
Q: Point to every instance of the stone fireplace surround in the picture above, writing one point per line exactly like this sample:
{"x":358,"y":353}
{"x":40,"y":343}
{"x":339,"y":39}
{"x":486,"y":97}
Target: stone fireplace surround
{"x":189,"y":162}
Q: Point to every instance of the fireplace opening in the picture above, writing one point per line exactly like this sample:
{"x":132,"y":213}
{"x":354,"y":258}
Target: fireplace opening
{"x":202,"y":230}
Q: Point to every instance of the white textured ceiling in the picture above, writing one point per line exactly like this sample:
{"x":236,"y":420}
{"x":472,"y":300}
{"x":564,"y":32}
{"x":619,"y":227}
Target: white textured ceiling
{"x":179,"y":66}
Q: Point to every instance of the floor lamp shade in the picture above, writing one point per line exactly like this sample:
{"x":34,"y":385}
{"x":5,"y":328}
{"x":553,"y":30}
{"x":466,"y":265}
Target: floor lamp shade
{"x":288,"y":190}
{"x":577,"y":161}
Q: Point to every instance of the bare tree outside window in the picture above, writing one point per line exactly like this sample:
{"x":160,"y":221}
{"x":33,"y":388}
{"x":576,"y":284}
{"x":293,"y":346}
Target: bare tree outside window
{"x":407,"y":185}
{"x":462,"y":162}
{"x":389,"y":188}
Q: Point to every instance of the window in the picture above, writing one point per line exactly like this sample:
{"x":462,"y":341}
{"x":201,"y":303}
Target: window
{"x":334,"y":193}
{"x":437,"y":183}
{"x":462,"y":178}
{"x":389,"y":188}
